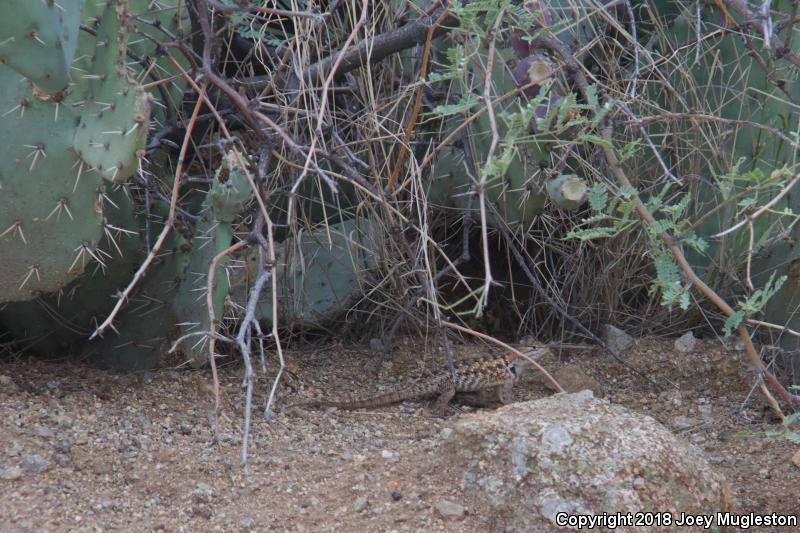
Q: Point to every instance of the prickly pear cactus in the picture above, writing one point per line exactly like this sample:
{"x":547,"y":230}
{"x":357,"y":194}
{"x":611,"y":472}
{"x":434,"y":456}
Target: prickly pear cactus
{"x":38,"y":40}
{"x":111,"y":135}
{"x":213,"y":234}
{"x":56,"y":152}
{"x":319,"y":273}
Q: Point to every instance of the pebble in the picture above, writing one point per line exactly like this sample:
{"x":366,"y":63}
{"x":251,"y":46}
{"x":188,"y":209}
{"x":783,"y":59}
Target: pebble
{"x":449,"y":510}
{"x":8,"y":386}
{"x":45,"y":432}
{"x":11,"y":473}
{"x":686,"y":342}
{"x":697,"y":438}
{"x":361,"y":504}
{"x":388,"y":455}
{"x":33,"y":464}
{"x":202,"y":493}
{"x":247,"y":523}
{"x":346,"y":455}
{"x":681,"y":422}
{"x":617,"y":340}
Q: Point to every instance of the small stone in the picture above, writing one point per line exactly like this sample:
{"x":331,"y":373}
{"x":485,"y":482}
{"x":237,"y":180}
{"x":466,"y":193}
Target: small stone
{"x":346,"y":455}
{"x":246,"y":523}
{"x":11,"y":473}
{"x":45,"y":432}
{"x":449,"y":510}
{"x":63,"y":446}
{"x":7,"y":385}
{"x":33,"y":464}
{"x":376,"y":345}
{"x":202,"y":493}
{"x":681,"y":423}
{"x":388,"y":455}
{"x":796,"y":459}
{"x":446,"y":432}
{"x":361,"y":504}
{"x":573,"y":379}
{"x":203,"y":511}
{"x":686,"y":342}
{"x":617,"y":340}
{"x":61,"y":459}
{"x":697,"y":439}
{"x":396,"y":495}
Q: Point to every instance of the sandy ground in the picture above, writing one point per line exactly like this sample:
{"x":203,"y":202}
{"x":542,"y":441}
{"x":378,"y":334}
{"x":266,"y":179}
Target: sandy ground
{"x":86,"y":450}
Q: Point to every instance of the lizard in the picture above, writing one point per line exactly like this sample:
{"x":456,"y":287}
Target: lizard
{"x":480,"y":380}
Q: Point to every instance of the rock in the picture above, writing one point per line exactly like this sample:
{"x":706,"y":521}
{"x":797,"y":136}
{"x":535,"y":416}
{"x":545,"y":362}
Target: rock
{"x":396,"y":495}
{"x":526,"y":462}
{"x":617,"y":340}
{"x":682,"y":423}
{"x":796,"y":459}
{"x":202,"y":493}
{"x":449,"y":510}
{"x":573,"y":379}
{"x":388,"y":455}
{"x":361,"y":504}
{"x":246,"y":523}
{"x":697,"y":438}
{"x":33,"y":464}
{"x":10,"y":473}
{"x":7,"y":385}
{"x":686,"y":342}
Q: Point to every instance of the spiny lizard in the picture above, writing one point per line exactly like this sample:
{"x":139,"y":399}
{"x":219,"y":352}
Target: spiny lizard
{"x":480,"y":379}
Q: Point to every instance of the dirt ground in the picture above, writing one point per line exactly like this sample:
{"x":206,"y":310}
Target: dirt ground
{"x":86,"y":450}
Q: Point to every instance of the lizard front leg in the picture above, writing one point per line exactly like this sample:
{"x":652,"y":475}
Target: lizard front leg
{"x":445,"y":395}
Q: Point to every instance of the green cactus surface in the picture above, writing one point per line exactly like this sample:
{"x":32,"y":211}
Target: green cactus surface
{"x":38,"y":39}
{"x":112,"y":131}
{"x":57,"y":150}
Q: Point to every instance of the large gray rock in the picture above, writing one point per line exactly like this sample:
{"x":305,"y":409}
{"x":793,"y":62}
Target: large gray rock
{"x":572,"y":453}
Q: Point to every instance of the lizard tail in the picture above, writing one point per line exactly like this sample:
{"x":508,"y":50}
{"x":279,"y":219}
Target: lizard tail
{"x":380,"y":400}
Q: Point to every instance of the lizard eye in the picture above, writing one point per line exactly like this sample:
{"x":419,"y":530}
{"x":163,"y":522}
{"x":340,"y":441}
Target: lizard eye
{"x":512,"y":369}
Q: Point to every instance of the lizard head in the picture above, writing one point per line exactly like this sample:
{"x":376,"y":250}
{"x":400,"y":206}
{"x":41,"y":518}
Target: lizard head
{"x":519,"y":364}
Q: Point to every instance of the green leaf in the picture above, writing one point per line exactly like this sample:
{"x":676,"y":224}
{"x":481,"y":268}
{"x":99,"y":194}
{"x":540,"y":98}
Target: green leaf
{"x":463,"y":106}
{"x":732,"y":322}
{"x":598,"y":197}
